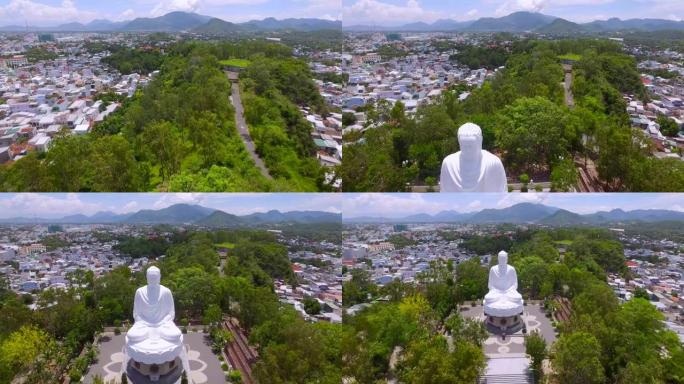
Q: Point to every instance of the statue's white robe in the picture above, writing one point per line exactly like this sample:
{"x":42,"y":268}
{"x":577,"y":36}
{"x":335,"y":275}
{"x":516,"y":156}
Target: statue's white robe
{"x":153,"y":338}
{"x":492,"y":176}
{"x":503,"y":298}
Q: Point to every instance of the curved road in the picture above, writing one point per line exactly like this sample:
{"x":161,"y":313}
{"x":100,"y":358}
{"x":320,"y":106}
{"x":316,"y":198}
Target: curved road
{"x":242,"y":125}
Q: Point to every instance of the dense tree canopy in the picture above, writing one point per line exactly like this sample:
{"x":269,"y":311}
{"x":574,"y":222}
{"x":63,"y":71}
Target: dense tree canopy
{"x":476,"y":57}
{"x":274,"y":88}
{"x":129,"y":60}
{"x":179,"y":134}
{"x":408,"y":327}
{"x":577,"y":359}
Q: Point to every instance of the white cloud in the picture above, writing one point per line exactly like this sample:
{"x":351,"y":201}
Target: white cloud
{"x":511,"y":199}
{"x":233,"y":2}
{"x":391,"y":205}
{"x":36,"y":13}
{"x":167,"y":6}
{"x":509,"y":6}
{"x":126,"y":15}
{"x":667,"y":9}
{"x":472,"y":12}
{"x":46,"y":205}
{"x":131,"y":206}
{"x":374,"y":11}
{"x":475,"y":205}
{"x":329,"y":202}
{"x":243,"y":210}
{"x":323,"y":9}
{"x":169,"y":199}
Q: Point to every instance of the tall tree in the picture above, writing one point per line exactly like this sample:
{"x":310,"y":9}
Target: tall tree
{"x":535,"y":347}
{"x":163,"y":141}
{"x":576,"y":358}
{"x":533,"y":132}
{"x":114,"y":166}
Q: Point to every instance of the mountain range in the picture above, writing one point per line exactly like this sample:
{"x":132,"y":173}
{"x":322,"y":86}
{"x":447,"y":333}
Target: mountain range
{"x":530,"y":22}
{"x":184,"y":22}
{"x":529,"y":213}
{"x":187,"y":214}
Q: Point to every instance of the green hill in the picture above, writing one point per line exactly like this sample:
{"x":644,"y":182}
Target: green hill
{"x":174,"y":21}
{"x":218,"y":27}
{"x":561,"y":27}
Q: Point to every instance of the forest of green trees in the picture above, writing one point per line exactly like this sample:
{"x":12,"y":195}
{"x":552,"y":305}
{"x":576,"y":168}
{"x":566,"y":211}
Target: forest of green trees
{"x":524,"y":119}
{"x":603,"y":342}
{"x":272,"y":91}
{"x":409,"y":324}
{"x":128,"y":60}
{"x":179,"y":134}
{"x":44,"y":343}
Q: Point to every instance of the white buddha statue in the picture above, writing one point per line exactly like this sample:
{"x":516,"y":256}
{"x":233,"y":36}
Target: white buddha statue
{"x":153,"y":338}
{"x":503,"y":299}
{"x":472,"y":169}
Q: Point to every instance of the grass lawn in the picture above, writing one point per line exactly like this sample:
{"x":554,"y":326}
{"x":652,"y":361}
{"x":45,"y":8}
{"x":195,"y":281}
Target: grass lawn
{"x":225,"y":245}
{"x":240,"y":63}
{"x":571,"y":56}
{"x":564,"y":242}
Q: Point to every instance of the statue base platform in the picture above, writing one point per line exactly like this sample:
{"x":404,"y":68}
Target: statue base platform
{"x":166,"y":373}
{"x":504,"y":325}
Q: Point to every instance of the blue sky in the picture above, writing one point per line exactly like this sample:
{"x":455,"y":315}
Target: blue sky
{"x":374,"y":12}
{"x":53,"y":12}
{"x":395,"y":12}
{"x":401,"y":205}
{"x":55,"y":205}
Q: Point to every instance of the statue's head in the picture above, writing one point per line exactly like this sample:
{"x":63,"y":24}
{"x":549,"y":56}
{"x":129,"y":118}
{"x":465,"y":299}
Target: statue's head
{"x":470,"y":139}
{"x":153,"y":276}
{"x":503,"y":258}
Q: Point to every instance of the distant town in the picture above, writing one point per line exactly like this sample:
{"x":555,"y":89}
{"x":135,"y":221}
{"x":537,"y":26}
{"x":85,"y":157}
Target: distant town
{"x":39,"y":257}
{"x":41,"y":97}
{"x":413,"y":78}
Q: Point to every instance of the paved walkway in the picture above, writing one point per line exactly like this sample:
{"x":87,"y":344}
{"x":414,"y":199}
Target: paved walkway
{"x":205,"y":368}
{"x":514,"y":344}
{"x":242,"y":126}
{"x":546,"y":187}
{"x":567,"y":86}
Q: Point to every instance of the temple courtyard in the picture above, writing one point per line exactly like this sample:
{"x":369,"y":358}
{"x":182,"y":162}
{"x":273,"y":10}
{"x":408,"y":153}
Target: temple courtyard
{"x":205,"y":368}
{"x":533,"y":317}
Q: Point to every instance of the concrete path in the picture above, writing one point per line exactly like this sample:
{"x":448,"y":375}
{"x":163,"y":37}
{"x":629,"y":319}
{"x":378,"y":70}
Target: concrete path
{"x":515,"y":343}
{"x":242,"y":125}
{"x":567,"y":86}
{"x":205,"y":368}
{"x":546,"y":187}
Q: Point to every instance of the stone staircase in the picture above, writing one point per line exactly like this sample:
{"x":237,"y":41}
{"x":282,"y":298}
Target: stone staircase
{"x":506,"y":379}
{"x":241,"y":355}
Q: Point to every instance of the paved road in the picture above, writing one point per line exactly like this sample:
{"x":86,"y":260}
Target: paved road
{"x":242,"y":128}
{"x":567,"y":85}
